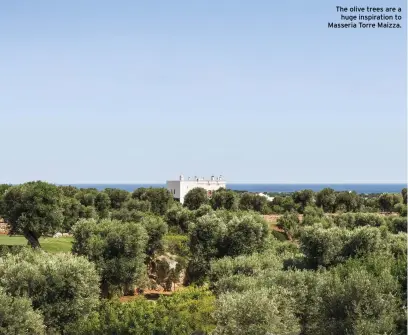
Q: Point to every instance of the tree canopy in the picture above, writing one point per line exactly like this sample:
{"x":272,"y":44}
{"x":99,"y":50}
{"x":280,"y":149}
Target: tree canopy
{"x":33,"y":209}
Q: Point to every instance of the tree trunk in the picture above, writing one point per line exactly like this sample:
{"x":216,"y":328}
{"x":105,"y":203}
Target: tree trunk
{"x":105,"y":290}
{"x":128,"y":289}
{"x":35,"y":244}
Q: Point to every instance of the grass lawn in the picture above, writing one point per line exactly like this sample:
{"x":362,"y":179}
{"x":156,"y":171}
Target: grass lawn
{"x":62,"y":244}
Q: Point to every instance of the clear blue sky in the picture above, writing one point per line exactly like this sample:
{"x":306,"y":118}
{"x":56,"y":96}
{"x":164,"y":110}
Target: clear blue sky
{"x":141,"y":91}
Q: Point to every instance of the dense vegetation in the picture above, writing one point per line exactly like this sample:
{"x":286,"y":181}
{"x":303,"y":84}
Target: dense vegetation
{"x":333,"y":262}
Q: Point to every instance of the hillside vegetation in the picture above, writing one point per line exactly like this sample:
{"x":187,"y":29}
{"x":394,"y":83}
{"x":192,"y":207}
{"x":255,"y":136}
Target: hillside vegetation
{"x":141,"y":263}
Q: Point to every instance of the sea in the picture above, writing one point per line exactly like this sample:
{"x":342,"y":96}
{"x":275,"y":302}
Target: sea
{"x":271,"y":188}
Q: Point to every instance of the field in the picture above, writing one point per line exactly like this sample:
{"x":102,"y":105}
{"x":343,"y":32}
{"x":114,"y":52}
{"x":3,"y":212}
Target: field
{"x":62,"y":244}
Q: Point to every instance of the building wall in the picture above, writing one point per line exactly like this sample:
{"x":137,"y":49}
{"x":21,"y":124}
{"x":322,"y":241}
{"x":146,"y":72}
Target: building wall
{"x":179,"y":189}
{"x":174,"y":188}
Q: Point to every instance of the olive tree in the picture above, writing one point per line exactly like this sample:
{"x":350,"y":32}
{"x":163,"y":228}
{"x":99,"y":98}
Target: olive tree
{"x":328,"y":247}
{"x":195,"y":198}
{"x":224,"y":199}
{"x":206,"y":242}
{"x":353,"y":220}
{"x":179,"y":218}
{"x":102,"y":204}
{"x":290,"y":223}
{"x":117,"y":249}
{"x":326,"y":199}
{"x":245,"y":235}
{"x":156,"y":228}
{"x":357,"y":299}
{"x":256,"y":312}
{"x":64,"y":288}
{"x":3,"y":189}
{"x":214,"y":236}
{"x":160,"y":198}
{"x":253,"y":202}
{"x":17,"y":316}
{"x":348,"y":202}
{"x":87,"y":196}
{"x":72,"y":210}
{"x":304,"y":198}
{"x":117,"y":197}
{"x":387,"y":201}
{"x":33,"y":209}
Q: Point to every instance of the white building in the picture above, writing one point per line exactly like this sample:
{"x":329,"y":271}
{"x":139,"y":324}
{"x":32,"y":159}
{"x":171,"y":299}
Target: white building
{"x":266,"y":196}
{"x":179,"y":188}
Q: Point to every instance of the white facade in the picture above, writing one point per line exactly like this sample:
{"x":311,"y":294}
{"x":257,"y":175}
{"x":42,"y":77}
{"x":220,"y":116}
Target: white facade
{"x":266,"y":196}
{"x":179,"y":188}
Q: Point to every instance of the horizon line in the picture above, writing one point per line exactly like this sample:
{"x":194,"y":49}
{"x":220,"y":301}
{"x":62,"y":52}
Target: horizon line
{"x":238,"y":182}
{"x":227,"y":182}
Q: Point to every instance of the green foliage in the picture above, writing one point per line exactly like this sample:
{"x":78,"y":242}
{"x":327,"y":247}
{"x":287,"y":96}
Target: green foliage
{"x":397,"y":248}
{"x":356,"y":300}
{"x":185,"y":312}
{"x":138,"y":205}
{"x":88,"y":212}
{"x":156,"y":228}
{"x":195,"y":198}
{"x":348,"y":202}
{"x":224,"y":199}
{"x":62,"y":287}
{"x":116,"y":248}
{"x":179,"y":218}
{"x":214,"y":236}
{"x":387,"y":201}
{"x":248,"y":265}
{"x":207,"y":236}
{"x":160,"y":199}
{"x":282,"y":204}
{"x":11,"y":249}
{"x":33,"y":209}
{"x":3,"y":189}
{"x":256,"y":311}
{"x":114,"y":317}
{"x":68,"y":190}
{"x":127,"y":215}
{"x":245,"y":235}
{"x":253,"y":202}
{"x":397,"y":224}
{"x":117,"y":197}
{"x":370,"y":205}
{"x":167,"y":270}
{"x":202,"y":210}
{"x":404,"y":195}
{"x":326,"y":199}
{"x":304,"y":198}
{"x":72,"y":211}
{"x":401,"y":209}
{"x":328,"y":247}
{"x":102,"y":204}
{"x":18,"y":317}
{"x":353,"y":220}
{"x":347,"y":274}
{"x":290,"y":223}
{"x":279,"y":235}
{"x":176,"y":245}
{"x":312,"y":215}
{"x":87,"y":196}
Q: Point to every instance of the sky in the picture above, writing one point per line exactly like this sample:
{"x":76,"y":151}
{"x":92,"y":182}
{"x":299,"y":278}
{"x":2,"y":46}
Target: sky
{"x":141,"y":91}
